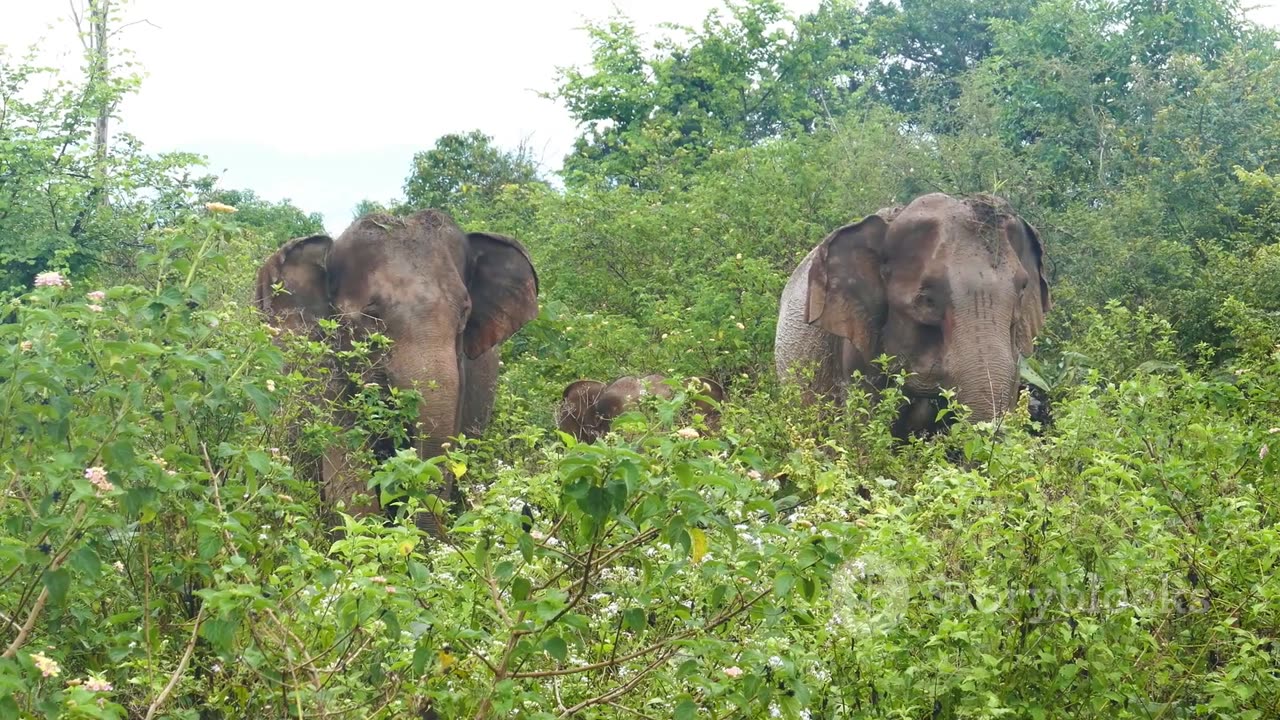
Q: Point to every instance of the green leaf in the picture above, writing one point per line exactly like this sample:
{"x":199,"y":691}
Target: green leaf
{"x":520,"y":588}
{"x":525,"y":543}
{"x":1030,"y":376}
{"x":782,"y":584}
{"x":633,"y":619}
{"x":686,"y":709}
{"x":86,"y":561}
{"x":421,"y":656}
{"x":58,"y":582}
{"x":555,"y":647}
{"x":220,"y":632}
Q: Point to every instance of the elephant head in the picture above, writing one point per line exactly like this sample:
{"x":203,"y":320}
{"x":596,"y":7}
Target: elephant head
{"x":588,"y":407}
{"x":954,"y":289}
{"x":446,"y":298}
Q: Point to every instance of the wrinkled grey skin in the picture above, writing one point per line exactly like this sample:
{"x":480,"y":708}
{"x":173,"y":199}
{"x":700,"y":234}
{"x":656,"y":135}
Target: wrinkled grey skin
{"x":588,"y":407}
{"x":953,"y":288}
{"x":446,"y":298}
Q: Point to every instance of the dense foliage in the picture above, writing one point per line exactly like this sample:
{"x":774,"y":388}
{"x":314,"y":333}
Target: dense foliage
{"x":162,"y":555}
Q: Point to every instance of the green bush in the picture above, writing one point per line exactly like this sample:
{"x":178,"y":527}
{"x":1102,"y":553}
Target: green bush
{"x":161,"y":547}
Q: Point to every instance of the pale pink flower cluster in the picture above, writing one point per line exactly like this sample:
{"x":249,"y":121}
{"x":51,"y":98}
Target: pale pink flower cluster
{"x":96,"y":296}
{"x":217,"y":207}
{"x":94,"y":684}
{"x":733,"y":672}
{"x":97,"y":476}
{"x":687,"y":433}
{"x":47,"y":666}
{"x":94,"y":308}
{"x":51,"y":278}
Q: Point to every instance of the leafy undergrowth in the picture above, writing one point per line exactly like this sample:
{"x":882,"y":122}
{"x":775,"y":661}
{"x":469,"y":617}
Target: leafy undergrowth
{"x":163,"y":556}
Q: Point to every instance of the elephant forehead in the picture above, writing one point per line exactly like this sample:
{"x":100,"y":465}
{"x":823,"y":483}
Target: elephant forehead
{"x":944,"y":231}
{"x":395,"y":266}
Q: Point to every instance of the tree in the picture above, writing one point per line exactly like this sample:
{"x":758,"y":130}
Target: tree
{"x":69,"y":192}
{"x":924,"y":47}
{"x":465,"y":167}
{"x":740,"y":79}
{"x":279,"y":221}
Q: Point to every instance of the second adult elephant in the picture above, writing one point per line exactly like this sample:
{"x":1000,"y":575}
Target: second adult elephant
{"x":953,"y":288}
{"x":588,"y":407}
{"x":446,"y":298}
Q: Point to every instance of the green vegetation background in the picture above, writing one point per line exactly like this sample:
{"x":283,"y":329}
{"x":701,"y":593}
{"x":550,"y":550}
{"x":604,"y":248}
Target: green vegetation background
{"x":794,"y":563}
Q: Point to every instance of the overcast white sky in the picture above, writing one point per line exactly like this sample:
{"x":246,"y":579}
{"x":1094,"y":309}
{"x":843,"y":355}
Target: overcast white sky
{"x":327,"y":106}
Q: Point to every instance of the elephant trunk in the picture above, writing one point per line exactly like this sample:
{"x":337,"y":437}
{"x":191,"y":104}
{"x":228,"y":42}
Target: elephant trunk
{"x":984,"y":371}
{"x":431,"y":366}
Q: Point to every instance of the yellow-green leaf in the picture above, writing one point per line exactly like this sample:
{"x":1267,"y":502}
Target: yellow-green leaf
{"x":698,"y":544}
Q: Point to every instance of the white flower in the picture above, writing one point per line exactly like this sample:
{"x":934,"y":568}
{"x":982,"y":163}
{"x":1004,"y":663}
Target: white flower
{"x":1263,"y":452}
{"x":119,"y":566}
{"x":1273,"y":431}
{"x":94,"y":684}
{"x":51,"y":279}
{"x":213,"y":322}
{"x":271,"y":386}
{"x":741,"y":326}
{"x":775,"y":662}
{"x":774,"y":710}
{"x":687,"y":433}
{"x":47,"y":666}
{"x":25,"y":346}
{"x":378,"y":580}
{"x":97,"y":476}
{"x":219,"y":208}
{"x":96,"y":296}
{"x":733,"y":672}
{"x":754,"y":475}
{"x":94,"y":308}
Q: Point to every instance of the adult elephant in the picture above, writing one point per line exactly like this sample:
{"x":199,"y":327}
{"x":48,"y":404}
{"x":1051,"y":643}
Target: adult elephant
{"x":446,"y":298}
{"x":953,"y":288}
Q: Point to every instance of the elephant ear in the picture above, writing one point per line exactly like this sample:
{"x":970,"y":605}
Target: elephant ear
{"x":1036,"y":301}
{"x":577,"y":412}
{"x":299,"y":267}
{"x":846,"y":287}
{"x":503,"y":288}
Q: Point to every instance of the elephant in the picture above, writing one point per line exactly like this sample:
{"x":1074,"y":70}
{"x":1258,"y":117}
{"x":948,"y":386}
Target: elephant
{"x":588,"y":407}
{"x":953,"y":288}
{"x":445,"y":297}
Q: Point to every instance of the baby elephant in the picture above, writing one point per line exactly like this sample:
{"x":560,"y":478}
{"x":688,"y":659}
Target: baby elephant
{"x":589,"y":406}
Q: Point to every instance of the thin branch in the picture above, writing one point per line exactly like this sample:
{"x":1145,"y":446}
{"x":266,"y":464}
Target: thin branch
{"x":135,"y":22}
{"x":717,"y":621}
{"x":178,"y":671}
{"x":618,"y":691}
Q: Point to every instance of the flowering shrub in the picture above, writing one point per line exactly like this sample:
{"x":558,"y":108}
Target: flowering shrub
{"x":164,"y":553}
